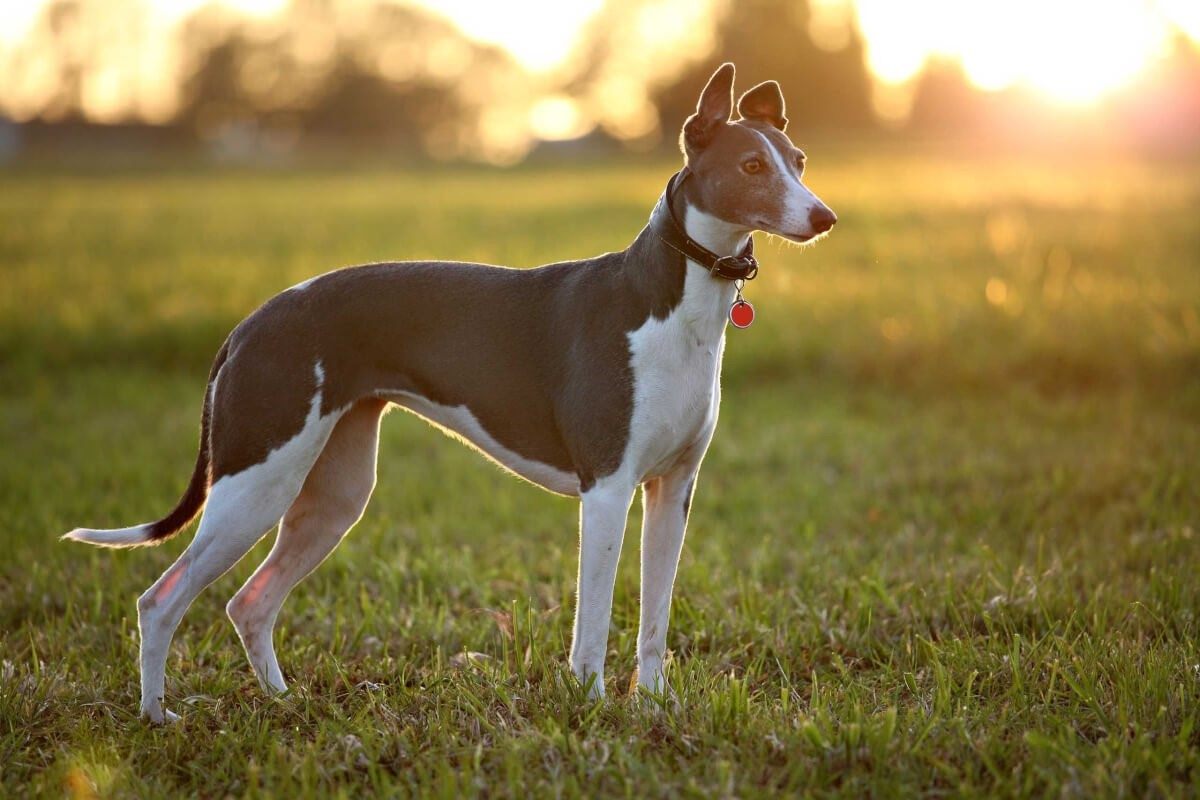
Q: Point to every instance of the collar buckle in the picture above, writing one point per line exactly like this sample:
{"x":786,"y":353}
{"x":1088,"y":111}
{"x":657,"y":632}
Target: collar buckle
{"x":742,"y":267}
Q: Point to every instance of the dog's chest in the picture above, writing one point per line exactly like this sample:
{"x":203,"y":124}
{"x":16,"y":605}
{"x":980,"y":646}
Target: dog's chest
{"x":676,"y":372}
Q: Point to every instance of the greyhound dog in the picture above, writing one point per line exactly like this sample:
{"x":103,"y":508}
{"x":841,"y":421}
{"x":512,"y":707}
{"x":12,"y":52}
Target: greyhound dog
{"x":587,"y":378}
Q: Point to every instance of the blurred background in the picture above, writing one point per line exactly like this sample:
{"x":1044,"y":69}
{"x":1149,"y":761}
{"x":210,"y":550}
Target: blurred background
{"x":257,"y":80}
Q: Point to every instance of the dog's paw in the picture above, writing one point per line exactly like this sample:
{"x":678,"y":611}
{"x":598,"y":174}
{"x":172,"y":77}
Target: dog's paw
{"x":593,"y":688}
{"x":157,"y":715}
{"x":654,"y":694}
{"x":654,"y":701}
{"x":590,"y":681}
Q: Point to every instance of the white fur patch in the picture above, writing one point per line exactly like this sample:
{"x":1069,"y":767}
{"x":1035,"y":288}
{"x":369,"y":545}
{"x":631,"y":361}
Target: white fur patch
{"x":304,"y":284}
{"x":798,"y":201}
{"x":113,"y":537}
{"x":274,"y":483}
{"x":676,"y":374}
{"x":677,"y":363}
{"x":461,"y":424}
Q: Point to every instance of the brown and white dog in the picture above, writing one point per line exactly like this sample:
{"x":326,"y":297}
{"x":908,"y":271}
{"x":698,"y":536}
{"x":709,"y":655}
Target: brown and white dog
{"x":613,"y":382}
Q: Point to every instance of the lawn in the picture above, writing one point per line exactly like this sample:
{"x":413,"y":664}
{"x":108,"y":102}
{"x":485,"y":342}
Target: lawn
{"x":946,"y":541}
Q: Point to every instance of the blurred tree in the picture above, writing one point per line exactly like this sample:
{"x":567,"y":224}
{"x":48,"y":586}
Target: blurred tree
{"x":642,"y":63}
{"x":366,"y":106}
{"x":76,"y":63}
{"x":376,"y":73}
{"x":771,"y":39}
{"x":944,"y":101}
{"x":212,"y":91}
{"x":63,"y":34}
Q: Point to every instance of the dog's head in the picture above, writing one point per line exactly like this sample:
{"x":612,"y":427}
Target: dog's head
{"x":747,"y":171}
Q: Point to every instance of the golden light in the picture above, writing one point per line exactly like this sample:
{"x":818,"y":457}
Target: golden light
{"x":540,"y":35}
{"x":178,"y":9}
{"x":557,"y":117}
{"x":16,"y":20}
{"x":996,"y":291}
{"x":260,"y":8}
{"x":1185,"y":14}
{"x":1070,"y":50}
{"x":1116,"y":45}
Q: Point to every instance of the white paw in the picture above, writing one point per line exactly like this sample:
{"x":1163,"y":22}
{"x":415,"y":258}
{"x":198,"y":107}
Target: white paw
{"x":593,"y":681}
{"x":653,"y":691}
{"x":274,"y":688}
{"x":159,"y":715}
{"x":595,"y":687}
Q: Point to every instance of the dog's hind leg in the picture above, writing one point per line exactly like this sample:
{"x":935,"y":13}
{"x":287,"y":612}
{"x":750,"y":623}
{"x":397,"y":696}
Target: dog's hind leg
{"x":241,"y":509}
{"x":334,"y":496}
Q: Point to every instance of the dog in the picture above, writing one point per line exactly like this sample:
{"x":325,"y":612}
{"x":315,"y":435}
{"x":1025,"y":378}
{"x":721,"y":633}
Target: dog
{"x":587,"y":378}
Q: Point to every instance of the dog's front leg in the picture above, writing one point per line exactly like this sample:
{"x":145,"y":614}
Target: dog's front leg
{"x":602,"y":516}
{"x":666,"y":501}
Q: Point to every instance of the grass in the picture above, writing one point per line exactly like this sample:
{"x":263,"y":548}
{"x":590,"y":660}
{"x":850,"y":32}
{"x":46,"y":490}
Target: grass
{"x":945,"y":541}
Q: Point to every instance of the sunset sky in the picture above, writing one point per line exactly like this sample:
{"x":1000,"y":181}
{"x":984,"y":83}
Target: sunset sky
{"x":1072,"y":51}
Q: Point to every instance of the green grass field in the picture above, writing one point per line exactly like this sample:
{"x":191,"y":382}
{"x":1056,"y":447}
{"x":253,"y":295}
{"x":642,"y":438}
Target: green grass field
{"x":946,"y":541}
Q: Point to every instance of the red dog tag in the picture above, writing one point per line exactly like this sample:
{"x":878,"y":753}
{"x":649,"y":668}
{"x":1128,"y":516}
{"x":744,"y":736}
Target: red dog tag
{"x":741,"y":313}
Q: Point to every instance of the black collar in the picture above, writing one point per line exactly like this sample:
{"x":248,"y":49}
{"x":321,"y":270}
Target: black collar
{"x":742,"y":267}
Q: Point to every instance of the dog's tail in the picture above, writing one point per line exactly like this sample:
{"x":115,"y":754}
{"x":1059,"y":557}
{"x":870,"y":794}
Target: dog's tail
{"x":193,"y":498}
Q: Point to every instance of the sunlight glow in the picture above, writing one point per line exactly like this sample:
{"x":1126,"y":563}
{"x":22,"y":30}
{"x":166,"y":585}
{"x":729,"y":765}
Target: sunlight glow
{"x":16,"y":20}
{"x":540,"y":34}
{"x":1072,"y":51}
{"x":178,"y":9}
{"x":1185,"y":14}
{"x":557,"y":117}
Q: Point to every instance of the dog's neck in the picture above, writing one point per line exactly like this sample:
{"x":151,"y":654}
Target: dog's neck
{"x":717,"y":235}
{"x":706,"y":298}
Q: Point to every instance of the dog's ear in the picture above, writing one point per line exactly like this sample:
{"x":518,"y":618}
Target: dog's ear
{"x":714,"y":110}
{"x":764,"y":102}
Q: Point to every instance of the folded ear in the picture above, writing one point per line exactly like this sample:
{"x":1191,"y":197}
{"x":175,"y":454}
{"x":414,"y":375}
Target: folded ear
{"x":764,"y":102}
{"x":713,"y":110}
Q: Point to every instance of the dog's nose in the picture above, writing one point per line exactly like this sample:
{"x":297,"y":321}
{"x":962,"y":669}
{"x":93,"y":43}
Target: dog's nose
{"x":821,"y":219}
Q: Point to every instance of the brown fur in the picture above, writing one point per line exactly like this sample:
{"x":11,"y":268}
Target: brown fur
{"x":548,"y":344}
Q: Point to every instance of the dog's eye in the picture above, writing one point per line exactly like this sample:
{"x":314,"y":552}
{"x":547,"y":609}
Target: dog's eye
{"x":752,"y":165}
{"x":800,"y":160}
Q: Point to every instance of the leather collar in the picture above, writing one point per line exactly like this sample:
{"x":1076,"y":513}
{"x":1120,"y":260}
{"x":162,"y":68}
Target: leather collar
{"x":742,"y":267}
